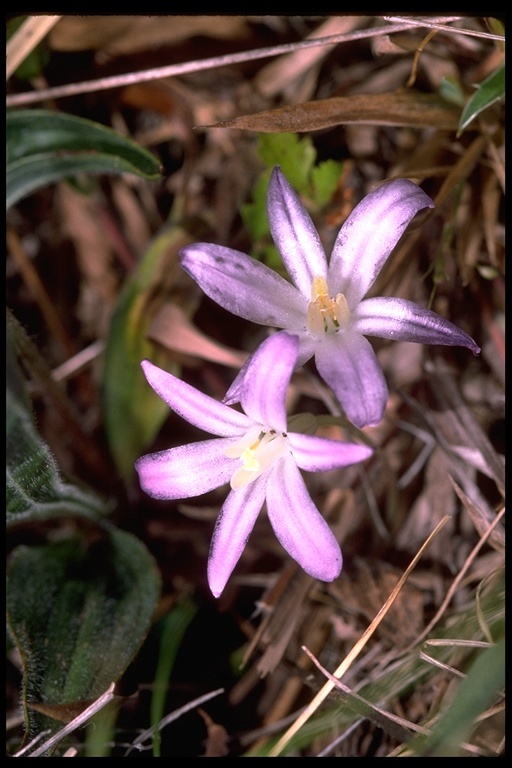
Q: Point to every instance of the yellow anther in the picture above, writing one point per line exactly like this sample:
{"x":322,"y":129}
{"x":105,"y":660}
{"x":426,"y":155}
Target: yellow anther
{"x":326,"y":315}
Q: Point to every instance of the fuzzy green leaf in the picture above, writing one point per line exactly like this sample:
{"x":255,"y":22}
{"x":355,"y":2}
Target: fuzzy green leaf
{"x":78,"y":612}
{"x":35,"y":487}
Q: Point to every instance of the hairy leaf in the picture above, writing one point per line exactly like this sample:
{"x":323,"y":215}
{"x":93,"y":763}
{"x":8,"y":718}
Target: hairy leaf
{"x":78,"y":612}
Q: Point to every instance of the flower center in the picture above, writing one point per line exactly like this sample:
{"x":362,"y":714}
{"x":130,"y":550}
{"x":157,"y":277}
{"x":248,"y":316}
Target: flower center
{"x":258,"y":450}
{"x":326,"y":315}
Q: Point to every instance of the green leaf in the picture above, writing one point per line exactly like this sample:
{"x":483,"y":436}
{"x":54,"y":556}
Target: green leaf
{"x":133,"y":413}
{"x":35,"y":488}
{"x":174,"y":627}
{"x":450,"y":90}
{"x":325,"y":178}
{"x":295,"y":155}
{"x":254,"y":215}
{"x":489,"y":91}
{"x":78,"y":612}
{"x":44,"y":146}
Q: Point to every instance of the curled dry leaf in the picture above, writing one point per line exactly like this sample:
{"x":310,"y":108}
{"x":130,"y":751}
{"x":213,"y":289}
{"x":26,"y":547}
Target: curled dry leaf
{"x":404,"y":108}
{"x":173,"y":330}
{"x":217,"y":740}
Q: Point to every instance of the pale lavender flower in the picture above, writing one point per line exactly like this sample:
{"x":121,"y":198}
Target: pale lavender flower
{"x":258,"y":456}
{"x":325,"y":305}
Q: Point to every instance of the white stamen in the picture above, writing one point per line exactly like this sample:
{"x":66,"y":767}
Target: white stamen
{"x":258,"y":450}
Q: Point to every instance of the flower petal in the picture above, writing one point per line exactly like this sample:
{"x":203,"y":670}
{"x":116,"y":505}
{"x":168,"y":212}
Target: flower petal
{"x":266,"y":379}
{"x":294,"y":234}
{"x":392,"y":318}
{"x":298,"y":524}
{"x":193,"y":406}
{"x":188,"y":470}
{"x":369,"y":235}
{"x":307,"y":345}
{"x":319,"y":454}
{"x":347,"y":363}
{"x":244,"y":286}
{"x":233,"y":527}
{"x":234,"y":393}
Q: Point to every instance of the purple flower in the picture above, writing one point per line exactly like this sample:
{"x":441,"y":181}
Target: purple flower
{"x":325,"y":305}
{"x":258,"y":456}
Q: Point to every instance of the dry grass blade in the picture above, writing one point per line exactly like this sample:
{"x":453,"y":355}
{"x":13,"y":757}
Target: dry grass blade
{"x":77,"y":722}
{"x":397,"y":727}
{"x":283,"y":74}
{"x":343,"y":667}
{"x":147,"y":734}
{"x":451,"y":643}
{"x":192,"y":66}
{"x":460,"y":576}
{"x":25,"y":39}
{"x":456,"y":426}
{"x":435,"y":24}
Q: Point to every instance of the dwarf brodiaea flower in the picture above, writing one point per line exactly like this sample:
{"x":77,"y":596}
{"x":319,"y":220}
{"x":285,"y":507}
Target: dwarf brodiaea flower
{"x":325,"y":305}
{"x":258,"y":456}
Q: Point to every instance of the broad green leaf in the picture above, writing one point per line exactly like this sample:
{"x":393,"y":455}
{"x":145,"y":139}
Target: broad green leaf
{"x":78,"y":611}
{"x":30,"y":173}
{"x":489,"y":91}
{"x":44,"y":146}
{"x":35,"y":487}
{"x":133,"y":413}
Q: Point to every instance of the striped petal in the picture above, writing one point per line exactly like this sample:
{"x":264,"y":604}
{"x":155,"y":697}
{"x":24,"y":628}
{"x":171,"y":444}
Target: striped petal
{"x":294,"y":234}
{"x":404,"y":320}
{"x":244,"y":286}
{"x":199,"y":409}
{"x":233,"y":527}
{"x":188,"y":470}
{"x":347,"y":363}
{"x":369,"y":235}
{"x":319,"y":454}
{"x":266,"y":379}
{"x":298,"y":525}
